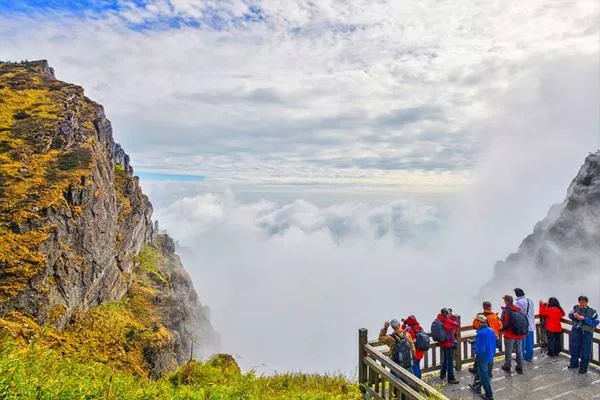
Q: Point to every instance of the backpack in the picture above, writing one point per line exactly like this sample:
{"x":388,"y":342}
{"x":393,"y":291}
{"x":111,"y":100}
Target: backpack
{"x":422,"y":341}
{"x":518,"y":322}
{"x":437,"y":331}
{"x":401,"y":352}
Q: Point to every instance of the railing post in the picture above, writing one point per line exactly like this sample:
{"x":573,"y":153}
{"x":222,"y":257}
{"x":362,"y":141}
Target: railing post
{"x":458,"y":354}
{"x":362,"y":366}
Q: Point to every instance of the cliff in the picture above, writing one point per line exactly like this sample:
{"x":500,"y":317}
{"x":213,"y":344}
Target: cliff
{"x":563,"y":252}
{"x":76,"y":233}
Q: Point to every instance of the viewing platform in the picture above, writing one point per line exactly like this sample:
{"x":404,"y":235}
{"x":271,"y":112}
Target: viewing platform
{"x":545,"y":378}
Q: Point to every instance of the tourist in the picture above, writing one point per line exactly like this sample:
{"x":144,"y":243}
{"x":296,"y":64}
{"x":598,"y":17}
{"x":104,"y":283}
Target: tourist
{"x":526,"y":305}
{"x":485,"y":349}
{"x":552,"y":313}
{"x":515,"y":328}
{"x":413,"y":328}
{"x":447,"y":345}
{"x":585,"y":319}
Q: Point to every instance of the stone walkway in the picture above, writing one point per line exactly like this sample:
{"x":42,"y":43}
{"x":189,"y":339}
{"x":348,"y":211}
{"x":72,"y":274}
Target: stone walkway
{"x":544,"y":379}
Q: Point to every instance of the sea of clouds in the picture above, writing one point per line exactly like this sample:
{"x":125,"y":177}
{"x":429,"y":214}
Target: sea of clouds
{"x":289,"y":281}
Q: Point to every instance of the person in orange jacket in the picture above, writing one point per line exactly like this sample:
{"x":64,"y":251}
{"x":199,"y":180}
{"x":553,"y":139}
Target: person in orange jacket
{"x":412,"y":327}
{"x":553,"y":313}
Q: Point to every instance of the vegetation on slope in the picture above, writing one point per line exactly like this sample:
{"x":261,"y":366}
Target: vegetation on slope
{"x":36,"y":372}
{"x":33,"y":172}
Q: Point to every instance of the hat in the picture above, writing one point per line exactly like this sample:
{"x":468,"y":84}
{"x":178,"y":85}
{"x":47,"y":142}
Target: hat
{"x":508,"y":298}
{"x":481,"y":318}
{"x":519,"y":292}
{"x":395,"y":324}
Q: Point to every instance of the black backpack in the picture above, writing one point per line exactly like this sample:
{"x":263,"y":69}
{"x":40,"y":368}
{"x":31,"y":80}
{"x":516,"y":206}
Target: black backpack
{"x":401,"y":352}
{"x":422,"y":341}
{"x":517,"y":322}
{"x":437,"y":331}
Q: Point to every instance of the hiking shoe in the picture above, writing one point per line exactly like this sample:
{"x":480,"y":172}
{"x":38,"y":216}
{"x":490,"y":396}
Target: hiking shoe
{"x":572,"y":366}
{"x":475,"y":388}
{"x":582,"y":371}
{"x":453,"y":381}
{"x":472,"y":370}
{"x":505,"y":368}
{"x":519,"y":370}
{"x":484,"y":397}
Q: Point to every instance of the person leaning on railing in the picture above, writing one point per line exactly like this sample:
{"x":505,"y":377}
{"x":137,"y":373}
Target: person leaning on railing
{"x":552,"y":313}
{"x":585,"y":319}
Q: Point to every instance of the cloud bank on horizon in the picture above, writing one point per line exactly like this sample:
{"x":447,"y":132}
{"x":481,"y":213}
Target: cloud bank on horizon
{"x":298,"y":92}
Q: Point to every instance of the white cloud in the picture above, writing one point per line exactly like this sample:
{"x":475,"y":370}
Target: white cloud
{"x":308,"y":89}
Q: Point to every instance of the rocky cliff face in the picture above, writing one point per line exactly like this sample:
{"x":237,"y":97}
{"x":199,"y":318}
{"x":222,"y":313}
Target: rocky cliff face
{"x":563,"y":252}
{"x":73,"y":218}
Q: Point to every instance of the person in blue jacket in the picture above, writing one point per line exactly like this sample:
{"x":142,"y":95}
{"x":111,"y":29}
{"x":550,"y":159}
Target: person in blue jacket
{"x":485,"y":348}
{"x":585,"y":319}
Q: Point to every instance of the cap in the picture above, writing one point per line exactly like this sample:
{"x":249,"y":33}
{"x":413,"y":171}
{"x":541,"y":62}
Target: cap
{"x":480,"y":318}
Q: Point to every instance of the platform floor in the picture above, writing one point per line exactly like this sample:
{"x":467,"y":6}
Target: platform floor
{"x":545,"y":378}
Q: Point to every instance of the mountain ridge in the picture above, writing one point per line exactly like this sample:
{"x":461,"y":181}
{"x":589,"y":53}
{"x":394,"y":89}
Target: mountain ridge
{"x":75,"y":226}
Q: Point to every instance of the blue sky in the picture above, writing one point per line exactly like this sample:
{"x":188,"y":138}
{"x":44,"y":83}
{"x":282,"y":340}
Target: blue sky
{"x":211,"y":17}
{"x":297,"y":92}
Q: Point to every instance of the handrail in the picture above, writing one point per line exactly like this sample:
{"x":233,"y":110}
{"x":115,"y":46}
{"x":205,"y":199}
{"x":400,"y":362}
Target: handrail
{"x":382,"y":378}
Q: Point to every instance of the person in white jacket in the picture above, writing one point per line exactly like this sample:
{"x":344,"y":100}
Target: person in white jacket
{"x":526,"y":305}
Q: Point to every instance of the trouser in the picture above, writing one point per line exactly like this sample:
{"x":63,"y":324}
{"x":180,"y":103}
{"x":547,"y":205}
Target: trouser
{"x":509,"y":345}
{"x":580,"y":346}
{"x":527,"y":345}
{"x":482,"y":376}
{"x":554,"y":346}
{"x":416,"y":368}
{"x":447,"y":363}
{"x":490,"y":367}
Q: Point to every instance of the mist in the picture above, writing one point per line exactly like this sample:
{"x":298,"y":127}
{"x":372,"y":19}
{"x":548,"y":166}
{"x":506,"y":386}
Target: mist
{"x":289,"y":282}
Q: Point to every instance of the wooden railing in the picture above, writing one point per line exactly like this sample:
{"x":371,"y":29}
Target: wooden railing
{"x":381,"y":378}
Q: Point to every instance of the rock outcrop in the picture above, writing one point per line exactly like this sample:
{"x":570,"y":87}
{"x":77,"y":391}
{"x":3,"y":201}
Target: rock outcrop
{"x":564,"y":248}
{"x":74,"y":220}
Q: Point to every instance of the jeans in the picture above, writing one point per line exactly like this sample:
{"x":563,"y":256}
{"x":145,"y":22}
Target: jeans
{"x":528,"y":346}
{"x":416,"y":368}
{"x":554,"y":345}
{"x":482,"y":376}
{"x":447,"y":363}
{"x":509,"y":345}
{"x":580,"y":346}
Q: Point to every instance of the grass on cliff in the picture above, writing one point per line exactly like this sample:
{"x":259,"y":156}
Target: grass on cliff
{"x":36,"y":372}
{"x":33,"y":172}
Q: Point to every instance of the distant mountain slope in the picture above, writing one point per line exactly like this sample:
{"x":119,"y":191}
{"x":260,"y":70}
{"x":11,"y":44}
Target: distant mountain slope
{"x":563,"y":252}
{"x":76,"y":230}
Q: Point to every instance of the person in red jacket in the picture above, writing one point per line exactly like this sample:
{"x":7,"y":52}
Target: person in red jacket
{"x":553,"y":313}
{"x":447,"y":346}
{"x":412,"y":326}
{"x":511,"y":339}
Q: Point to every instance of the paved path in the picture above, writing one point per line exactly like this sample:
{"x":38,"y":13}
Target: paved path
{"x":544,"y":379}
